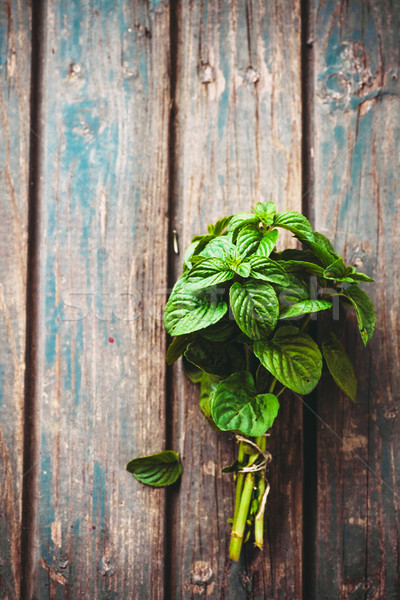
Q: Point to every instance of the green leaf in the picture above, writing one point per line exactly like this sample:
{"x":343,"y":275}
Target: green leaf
{"x":321,"y":252}
{"x":296,"y":223}
{"x":265,"y":212}
{"x":189,"y":253}
{"x":296,"y":291}
{"x":304,"y":307}
{"x":233,"y":468}
{"x":364,"y":310}
{"x":208,"y":385}
{"x":248,"y":239}
{"x":296,"y":255}
{"x":360,"y":277}
{"x":191,"y":371}
{"x":187,"y":311}
{"x":255,"y":307}
{"x":323,"y":242}
{"x":236,"y":406}
{"x":301,"y":266}
{"x":157,"y":470}
{"x":241,"y":268}
{"x":208,"y":272}
{"x":267,"y":243}
{"x":268,"y":270}
{"x":336,"y":270}
{"x":220,"y":332}
{"x":293,"y":358}
{"x":218,"y":247}
{"x":339,"y":365}
{"x":240,"y":220}
{"x":220,"y":225}
{"x":177,"y":348}
{"x":217,"y":358}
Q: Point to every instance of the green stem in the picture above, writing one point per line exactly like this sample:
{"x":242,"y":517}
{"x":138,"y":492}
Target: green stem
{"x":239,"y":523}
{"x":241,"y":511}
{"x":259,"y":520}
{"x":306,"y":322}
{"x":271,"y":389}
{"x":239,"y":480}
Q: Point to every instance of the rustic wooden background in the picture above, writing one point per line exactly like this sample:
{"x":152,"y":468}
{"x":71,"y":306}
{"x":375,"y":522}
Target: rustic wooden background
{"x":122,"y":121}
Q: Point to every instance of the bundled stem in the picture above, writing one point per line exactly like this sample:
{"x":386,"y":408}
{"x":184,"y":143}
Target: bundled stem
{"x":251,"y":495}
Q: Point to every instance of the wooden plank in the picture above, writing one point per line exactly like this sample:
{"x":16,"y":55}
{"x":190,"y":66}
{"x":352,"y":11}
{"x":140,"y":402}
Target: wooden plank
{"x":14,"y":147}
{"x":357,"y":136}
{"x":237,"y":141}
{"x":104,"y":190}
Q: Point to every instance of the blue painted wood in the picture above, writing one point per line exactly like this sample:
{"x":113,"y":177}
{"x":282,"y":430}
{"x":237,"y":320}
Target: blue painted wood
{"x":103,"y":258}
{"x":238,"y":141}
{"x":14,"y":144}
{"x":357,"y":138}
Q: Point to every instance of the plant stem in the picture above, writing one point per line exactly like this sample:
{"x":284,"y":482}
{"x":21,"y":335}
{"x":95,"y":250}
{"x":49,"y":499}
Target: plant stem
{"x":259,"y":519}
{"x":271,"y":389}
{"x":239,"y":523}
{"x":306,"y":322}
{"x":242,"y":506}
{"x":239,"y":481}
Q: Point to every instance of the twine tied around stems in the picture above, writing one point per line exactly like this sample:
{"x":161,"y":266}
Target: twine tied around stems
{"x":267,"y":457}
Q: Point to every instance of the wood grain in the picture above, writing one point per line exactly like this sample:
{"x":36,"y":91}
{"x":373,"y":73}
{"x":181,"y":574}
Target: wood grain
{"x":357,"y":139}
{"x":103,"y":256}
{"x":14,"y":160}
{"x":237,"y":133}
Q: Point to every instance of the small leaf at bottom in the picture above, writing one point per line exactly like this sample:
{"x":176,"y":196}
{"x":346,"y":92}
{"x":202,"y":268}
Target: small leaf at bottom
{"x":157,"y":470}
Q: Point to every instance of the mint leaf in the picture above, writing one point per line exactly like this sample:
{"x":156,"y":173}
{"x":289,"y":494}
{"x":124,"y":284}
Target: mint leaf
{"x":292,"y":357}
{"x":192,"y":371}
{"x":265,"y":212}
{"x":187,"y":311}
{"x":236,"y":406}
{"x":300,"y":266}
{"x":157,"y":470}
{"x":323,"y":242}
{"x":240,"y":220}
{"x":177,"y":348}
{"x":218,"y":247}
{"x":208,"y":272}
{"x":295,"y":291}
{"x":360,"y":277}
{"x":248,"y":239}
{"x":336,"y":270}
{"x":267,"y":270}
{"x":208,"y":385}
{"x":220,"y":225}
{"x":339,"y":365}
{"x":255,"y":307}
{"x":217,"y":358}
{"x":364,"y":310}
{"x":267,"y":243}
{"x":220,"y":332}
{"x":296,"y":223}
{"x":304,"y":307}
{"x":325,"y":256}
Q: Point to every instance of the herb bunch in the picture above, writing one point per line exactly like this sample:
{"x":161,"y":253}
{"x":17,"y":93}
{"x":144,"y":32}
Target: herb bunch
{"x":240,"y":315}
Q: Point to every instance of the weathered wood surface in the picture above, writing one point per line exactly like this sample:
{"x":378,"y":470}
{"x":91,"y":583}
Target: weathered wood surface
{"x":357,"y":116}
{"x":14,"y":160}
{"x":104,"y":198}
{"x":107,"y":149}
{"x":237,"y":141}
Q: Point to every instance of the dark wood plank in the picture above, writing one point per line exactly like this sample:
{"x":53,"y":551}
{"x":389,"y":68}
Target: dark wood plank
{"x":14,"y":148}
{"x":357,"y":113}
{"x":238,"y":141}
{"x":105,"y":109}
